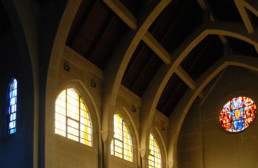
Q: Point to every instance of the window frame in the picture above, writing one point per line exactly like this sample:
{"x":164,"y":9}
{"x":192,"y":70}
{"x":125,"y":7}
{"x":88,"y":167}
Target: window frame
{"x":9,"y":107}
{"x":157,"y":140}
{"x":231,"y":99}
{"x":112,"y":145}
{"x":80,"y":100}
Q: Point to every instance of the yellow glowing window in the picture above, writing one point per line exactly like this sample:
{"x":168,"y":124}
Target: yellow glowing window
{"x":121,"y":145}
{"x":154,"y":159}
{"x":72,"y":119}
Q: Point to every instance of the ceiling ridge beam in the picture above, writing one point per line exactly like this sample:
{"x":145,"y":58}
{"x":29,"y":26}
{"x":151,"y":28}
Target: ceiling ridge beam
{"x":243,"y":13}
{"x":122,"y":12}
{"x":157,"y":47}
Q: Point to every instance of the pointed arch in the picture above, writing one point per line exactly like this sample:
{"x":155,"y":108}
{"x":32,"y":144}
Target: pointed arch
{"x":72,"y":119}
{"x":154,"y":158}
{"x":121,"y":145}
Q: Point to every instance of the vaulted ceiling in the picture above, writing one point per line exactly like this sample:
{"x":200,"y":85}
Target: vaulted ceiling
{"x":100,"y":26}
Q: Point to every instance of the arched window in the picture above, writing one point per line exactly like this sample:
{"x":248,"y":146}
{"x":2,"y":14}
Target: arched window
{"x":72,"y":119}
{"x":154,"y":159}
{"x":121,"y":145}
{"x":12,"y":109}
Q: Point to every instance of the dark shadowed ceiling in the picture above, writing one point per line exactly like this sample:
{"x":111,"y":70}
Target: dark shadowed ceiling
{"x":97,"y":31}
{"x":4,"y":19}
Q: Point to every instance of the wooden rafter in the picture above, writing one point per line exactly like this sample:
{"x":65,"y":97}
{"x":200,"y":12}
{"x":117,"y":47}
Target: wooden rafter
{"x":157,"y":47}
{"x":242,"y":11}
{"x":122,"y":12}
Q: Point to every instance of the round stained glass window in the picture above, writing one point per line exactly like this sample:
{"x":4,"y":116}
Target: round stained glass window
{"x":237,"y":114}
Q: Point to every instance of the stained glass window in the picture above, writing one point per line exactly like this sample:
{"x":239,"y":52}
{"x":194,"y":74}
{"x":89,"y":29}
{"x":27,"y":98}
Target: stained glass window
{"x":154,"y":159}
{"x":121,"y":145}
{"x":72,"y":119}
{"x":237,"y":114}
{"x":12,"y":106}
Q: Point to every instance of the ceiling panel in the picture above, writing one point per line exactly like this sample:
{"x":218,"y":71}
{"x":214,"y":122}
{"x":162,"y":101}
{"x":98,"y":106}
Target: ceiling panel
{"x":96,"y":35}
{"x":141,"y":69}
{"x":171,"y":95}
{"x":206,"y":53}
{"x":176,"y":23}
{"x":241,"y":47}
{"x":225,"y":10}
{"x":5,"y":23}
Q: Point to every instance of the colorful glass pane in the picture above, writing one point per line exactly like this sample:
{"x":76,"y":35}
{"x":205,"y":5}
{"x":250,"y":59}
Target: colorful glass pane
{"x":12,"y":106}
{"x":121,"y":145}
{"x":237,"y":114}
{"x":154,"y":159}
{"x":70,"y":118}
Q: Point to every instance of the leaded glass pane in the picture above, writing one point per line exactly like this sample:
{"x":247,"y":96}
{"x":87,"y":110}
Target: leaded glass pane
{"x":72,"y":119}
{"x":121,"y":145}
{"x":12,"y":109}
{"x":154,"y":159}
{"x":237,"y":114}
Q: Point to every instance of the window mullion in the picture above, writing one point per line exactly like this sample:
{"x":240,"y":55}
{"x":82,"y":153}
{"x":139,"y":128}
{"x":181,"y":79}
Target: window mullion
{"x":79,"y":119}
{"x":66,"y":117}
{"x":123,"y":138}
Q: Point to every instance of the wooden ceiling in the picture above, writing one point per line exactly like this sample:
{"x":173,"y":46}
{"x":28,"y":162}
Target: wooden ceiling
{"x":4,"y":19}
{"x":97,"y":31}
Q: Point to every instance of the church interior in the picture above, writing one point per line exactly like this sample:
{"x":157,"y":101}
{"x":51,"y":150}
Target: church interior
{"x":128,"y":83}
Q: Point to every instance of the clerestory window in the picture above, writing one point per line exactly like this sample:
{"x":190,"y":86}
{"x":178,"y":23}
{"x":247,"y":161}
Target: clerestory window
{"x":154,"y":159}
{"x":72,"y":118}
{"x":121,"y":145}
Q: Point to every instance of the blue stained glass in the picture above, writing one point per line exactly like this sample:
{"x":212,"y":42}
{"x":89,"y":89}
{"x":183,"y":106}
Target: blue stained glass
{"x":12,"y":124}
{"x":12,"y":106}
{"x":13,"y":101}
{"x":15,"y":84}
{"x":12,"y":131}
{"x":13,"y":94}
{"x":13,"y":117}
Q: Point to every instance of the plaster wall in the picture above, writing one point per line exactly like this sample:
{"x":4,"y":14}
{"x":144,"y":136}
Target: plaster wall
{"x":204,"y":143}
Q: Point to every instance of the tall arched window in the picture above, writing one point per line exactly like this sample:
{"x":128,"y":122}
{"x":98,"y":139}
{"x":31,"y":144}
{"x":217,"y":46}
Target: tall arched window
{"x":154,"y":159}
{"x":12,"y":109}
{"x":72,"y":119}
{"x":121,"y":145}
